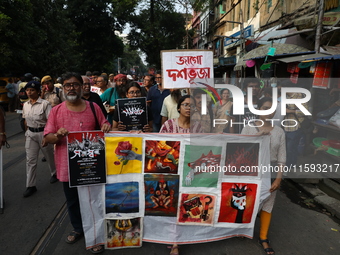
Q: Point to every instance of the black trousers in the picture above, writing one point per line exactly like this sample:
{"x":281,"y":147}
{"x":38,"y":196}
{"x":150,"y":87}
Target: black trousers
{"x":73,"y":207}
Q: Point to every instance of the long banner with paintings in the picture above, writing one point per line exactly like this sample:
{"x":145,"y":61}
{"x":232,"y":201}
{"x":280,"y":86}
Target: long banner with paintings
{"x":168,"y":188}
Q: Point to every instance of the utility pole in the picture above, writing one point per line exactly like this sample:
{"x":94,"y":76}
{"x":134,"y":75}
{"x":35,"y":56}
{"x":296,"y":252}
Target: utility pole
{"x":118,"y":67}
{"x":319,"y":26}
{"x":243,"y":43}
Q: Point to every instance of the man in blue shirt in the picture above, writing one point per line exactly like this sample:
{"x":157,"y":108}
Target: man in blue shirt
{"x":155,"y":98}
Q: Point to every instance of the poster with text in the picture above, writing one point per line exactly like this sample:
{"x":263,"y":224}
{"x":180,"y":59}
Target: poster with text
{"x":161,"y":156}
{"x":86,"y":158}
{"x":124,"y":233}
{"x":187,"y":68}
{"x":243,"y":159}
{"x":124,"y":155}
{"x":132,"y":112}
{"x":161,"y":194}
{"x":200,"y":166}
{"x":196,"y":209}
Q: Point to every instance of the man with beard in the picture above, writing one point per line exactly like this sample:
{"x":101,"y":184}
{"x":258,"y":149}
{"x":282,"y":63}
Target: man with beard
{"x":91,"y":96}
{"x":75,"y":114}
{"x":110,"y":95}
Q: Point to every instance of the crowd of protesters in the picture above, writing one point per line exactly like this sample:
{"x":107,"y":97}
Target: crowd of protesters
{"x":170,"y":111}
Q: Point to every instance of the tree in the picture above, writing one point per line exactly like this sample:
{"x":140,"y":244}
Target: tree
{"x":96,"y":22}
{"x":36,"y":37}
{"x":156,"y":28}
{"x":130,"y":59}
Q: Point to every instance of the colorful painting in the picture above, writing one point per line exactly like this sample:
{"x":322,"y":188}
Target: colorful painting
{"x":201,"y":166}
{"x":123,"y":155}
{"x":122,"y":198}
{"x":161,"y":194}
{"x":196,"y":209}
{"x":124,"y":233}
{"x":237,"y":202}
{"x":161,"y":156}
{"x":242,"y":159}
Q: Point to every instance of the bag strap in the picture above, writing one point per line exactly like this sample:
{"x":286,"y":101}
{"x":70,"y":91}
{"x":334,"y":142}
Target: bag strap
{"x":95,"y":116}
{"x":111,"y":92}
{"x":57,"y":90}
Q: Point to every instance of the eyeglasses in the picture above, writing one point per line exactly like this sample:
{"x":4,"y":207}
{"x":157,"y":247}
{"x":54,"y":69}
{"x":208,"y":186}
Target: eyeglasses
{"x":187,"y":106}
{"x":69,"y":85}
{"x":98,"y":81}
{"x":158,"y":77}
{"x":137,"y":92}
{"x":86,"y":84}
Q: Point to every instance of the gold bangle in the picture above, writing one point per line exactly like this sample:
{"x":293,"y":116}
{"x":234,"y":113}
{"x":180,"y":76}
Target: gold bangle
{"x":3,"y":133}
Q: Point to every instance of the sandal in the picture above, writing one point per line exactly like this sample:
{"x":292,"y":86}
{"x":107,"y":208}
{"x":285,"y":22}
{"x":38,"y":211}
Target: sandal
{"x":75,"y":236}
{"x":95,"y":249}
{"x":268,"y":250}
{"x":174,"y":249}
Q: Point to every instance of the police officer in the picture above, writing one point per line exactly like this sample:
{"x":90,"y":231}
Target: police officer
{"x":35,"y":113}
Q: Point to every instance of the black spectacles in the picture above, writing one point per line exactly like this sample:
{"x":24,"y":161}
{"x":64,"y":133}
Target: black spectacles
{"x":187,"y":106}
{"x":86,"y":84}
{"x":69,"y":85}
{"x":134,"y":92}
{"x":158,"y":77}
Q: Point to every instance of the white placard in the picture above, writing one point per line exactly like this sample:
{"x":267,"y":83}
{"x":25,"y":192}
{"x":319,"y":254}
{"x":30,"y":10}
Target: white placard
{"x":187,"y":68}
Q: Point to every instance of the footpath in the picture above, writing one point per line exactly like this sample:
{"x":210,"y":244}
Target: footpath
{"x":325,"y":191}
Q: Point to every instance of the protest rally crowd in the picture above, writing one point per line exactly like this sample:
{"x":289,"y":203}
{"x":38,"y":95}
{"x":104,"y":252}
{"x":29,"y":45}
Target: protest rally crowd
{"x":54,"y":107}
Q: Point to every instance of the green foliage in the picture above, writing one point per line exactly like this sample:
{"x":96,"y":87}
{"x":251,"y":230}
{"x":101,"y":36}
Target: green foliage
{"x":131,"y":58}
{"x":157,"y":28}
{"x":256,"y":5}
{"x":53,"y":36}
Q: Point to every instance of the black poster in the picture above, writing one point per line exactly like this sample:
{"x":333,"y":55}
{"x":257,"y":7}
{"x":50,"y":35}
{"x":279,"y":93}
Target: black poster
{"x":86,"y":158}
{"x":133,"y":112}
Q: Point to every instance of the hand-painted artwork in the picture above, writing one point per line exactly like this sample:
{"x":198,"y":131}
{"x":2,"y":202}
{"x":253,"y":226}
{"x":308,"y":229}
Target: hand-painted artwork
{"x":201,"y":166}
{"x":122,"y":197}
{"x":124,"y":233}
{"x":86,"y":158}
{"x":242,"y":159}
{"x":161,"y":156}
{"x":196,"y":209}
{"x":237,"y":202}
{"x":123,"y":155}
{"x":161,"y":194}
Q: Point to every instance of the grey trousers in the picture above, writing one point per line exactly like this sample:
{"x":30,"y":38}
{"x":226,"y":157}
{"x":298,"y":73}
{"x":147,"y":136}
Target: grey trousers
{"x":32,"y":146}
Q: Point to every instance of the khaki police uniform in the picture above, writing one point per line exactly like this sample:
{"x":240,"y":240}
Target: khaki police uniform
{"x":36,"y":118}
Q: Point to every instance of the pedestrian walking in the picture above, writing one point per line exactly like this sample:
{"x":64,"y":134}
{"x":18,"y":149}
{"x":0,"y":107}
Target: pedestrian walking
{"x":74,"y":114}
{"x":277,"y":158}
{"x":36,"y":112}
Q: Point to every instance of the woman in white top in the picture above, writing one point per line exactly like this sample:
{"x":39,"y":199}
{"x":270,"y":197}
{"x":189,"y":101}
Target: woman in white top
{"x":277,"y":157}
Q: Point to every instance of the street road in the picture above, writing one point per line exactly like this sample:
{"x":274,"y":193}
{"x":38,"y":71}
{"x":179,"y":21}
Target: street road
{"x":39,"y":224}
